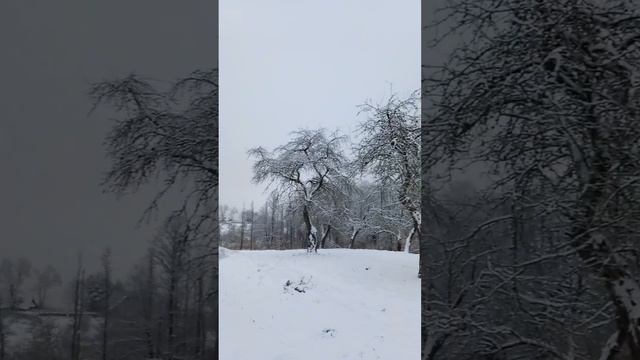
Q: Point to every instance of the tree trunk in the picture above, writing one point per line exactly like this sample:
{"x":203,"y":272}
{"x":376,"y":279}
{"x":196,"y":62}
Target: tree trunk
{"x":200,"y":333}
{"x":407,"y":242}
{"x":273,"y":225}
{"x":431,"y":345}
{"x":42,"y":297}
{"x":106,"y":263}
{"x":324,"y":236}
{"x":184,"y":340}
{"x":311,"y":236}
{"x":593,"y":248}
{"x":77,"y":317}
{"x":148,"y":311}
{"x":77,"y":312}
{"x":283,"y":240}
{"x":405,"y":200}
{"x":251,"y":231}
{"x":242,"y":228}
{"x":266,"y":226}
{"x":300,"y":234}
{"x":171,"y":312}
{"x":3,"y":350}
{"x":625,"y":293}
{"x":215,"y":316}
{"x":354,"y":234}
{"x":160,"y":343}
{"x":105,"y":326}
{"x":290,"y":227}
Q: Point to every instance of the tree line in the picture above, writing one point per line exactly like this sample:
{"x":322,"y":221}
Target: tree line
{"x":161,"y":309}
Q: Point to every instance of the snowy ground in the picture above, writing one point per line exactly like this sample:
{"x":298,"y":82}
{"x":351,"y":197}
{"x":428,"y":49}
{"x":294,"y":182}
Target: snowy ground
{"x":337,"y":304}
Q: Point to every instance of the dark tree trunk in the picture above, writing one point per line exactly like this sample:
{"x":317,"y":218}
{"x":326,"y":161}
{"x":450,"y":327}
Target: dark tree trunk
{"x":273,"y":225}
{"x":242,"y":225}
{"x":186,"y":306}
{"x":324,"y":236}
{"x":283,"y":240}
{"x":200,"y":332}
{"x":431,"y":347}
{"x":266,"y":226}
{"x":148,"y":311}
{"x":354,"y":235}
{"x":311,"y":237}
{"x":77,"y":317}
{"x":290,"y":235}
{"x":3,"y":351}
{"x":251,"y":231}
{"x":171,"y":312}
{"x":160,"y":343}
{"x":594,"y":249}
{"x":105,"y":325}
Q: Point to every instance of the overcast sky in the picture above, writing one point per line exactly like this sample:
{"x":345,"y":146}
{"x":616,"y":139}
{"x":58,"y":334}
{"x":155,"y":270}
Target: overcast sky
{"x":288,"y":64}
{"x":51,"y":154}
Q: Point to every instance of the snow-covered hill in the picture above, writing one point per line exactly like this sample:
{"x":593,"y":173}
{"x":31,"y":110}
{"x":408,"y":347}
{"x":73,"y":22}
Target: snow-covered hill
{"x":337,"y":304}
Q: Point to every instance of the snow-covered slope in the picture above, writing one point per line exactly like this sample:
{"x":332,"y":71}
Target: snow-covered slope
{"x":336,"y":304}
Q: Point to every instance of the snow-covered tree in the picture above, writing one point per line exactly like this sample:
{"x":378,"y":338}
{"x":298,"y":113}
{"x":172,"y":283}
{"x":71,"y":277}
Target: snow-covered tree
{"x":389,"y":149}
{"x":310,"y":164}
{"x":544,"y":94}
{"x":171,"y":133}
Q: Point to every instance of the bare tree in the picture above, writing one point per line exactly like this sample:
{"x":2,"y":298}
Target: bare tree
{"x":139,"y":324}
{"x":78,"y":310}
{"x":390,"y":148}
{"x":13,"y":274}
{"x":170,"y":134}
{"x":171,"y":252}
{"x":544,"y":94}
{"x":106,"y":269}
{"x":46,"y":279}
{"x":310,"y":164}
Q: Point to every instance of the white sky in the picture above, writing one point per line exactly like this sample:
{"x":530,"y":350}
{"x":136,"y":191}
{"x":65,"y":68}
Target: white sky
{"x":288,"y":64}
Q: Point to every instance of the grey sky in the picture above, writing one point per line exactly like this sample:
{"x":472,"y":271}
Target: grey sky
{"x":51,"y":154}
{"x":288,"y":64}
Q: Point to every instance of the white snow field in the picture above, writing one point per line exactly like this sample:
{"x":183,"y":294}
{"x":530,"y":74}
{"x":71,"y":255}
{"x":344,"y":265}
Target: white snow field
{"x":336,"y":304}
